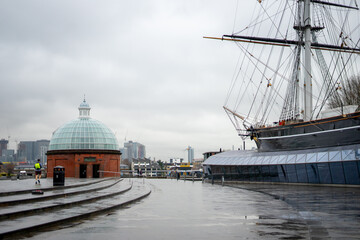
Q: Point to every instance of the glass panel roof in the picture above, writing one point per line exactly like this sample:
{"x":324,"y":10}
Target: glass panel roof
{"x":335,"y":156}
{"x":311,"y":157}
{"x":83,"y":133}
{"x":291,"y":158}
{"x":300,"y":158}
{"x":282,"y":159}
{"x":253,"y":157}
{"x":323,"y":157}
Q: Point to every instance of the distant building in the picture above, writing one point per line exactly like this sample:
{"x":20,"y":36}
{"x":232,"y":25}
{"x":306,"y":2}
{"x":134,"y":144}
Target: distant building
{"x":124,"y":167}
{"x":8,"y":155}
{"x":190,"y":154}
{"x":3,"y":145}
{"x":145,"y":167}
{"x":197,"y":163}
{"x":30,"y":151}
{"x":133,"y":150}
{"x":41,"y":147}
{"x":85,"y":147}
{"x":124,"y":153}
{"x":209,"y":154}
{"x":176,"y":161}
{"x":26,"y":151}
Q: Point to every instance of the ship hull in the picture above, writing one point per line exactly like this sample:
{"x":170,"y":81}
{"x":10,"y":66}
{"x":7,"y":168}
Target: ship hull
{"x":330,"y":132}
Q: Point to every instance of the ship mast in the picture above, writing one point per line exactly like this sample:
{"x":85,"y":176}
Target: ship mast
{"x":302,"y":46}
{"x":307,"y":62}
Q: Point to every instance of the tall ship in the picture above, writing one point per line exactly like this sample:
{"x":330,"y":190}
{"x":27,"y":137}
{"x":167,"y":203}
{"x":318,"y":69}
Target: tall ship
{"x":296,"y":94}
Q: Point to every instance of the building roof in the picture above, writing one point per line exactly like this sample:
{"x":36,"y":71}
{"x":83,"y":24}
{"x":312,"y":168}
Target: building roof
{"x":83,"y":133}
{"x":253,"y":157}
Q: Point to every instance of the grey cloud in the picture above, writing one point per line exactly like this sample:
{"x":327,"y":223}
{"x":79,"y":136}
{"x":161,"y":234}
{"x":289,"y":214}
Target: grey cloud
{"x":144,"y":67}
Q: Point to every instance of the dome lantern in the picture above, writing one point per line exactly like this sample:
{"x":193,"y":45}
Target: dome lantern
{"x":84,"y":110}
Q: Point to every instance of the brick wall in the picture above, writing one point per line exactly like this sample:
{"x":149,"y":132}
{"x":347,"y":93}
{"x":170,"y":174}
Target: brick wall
{"x":72,"y":161}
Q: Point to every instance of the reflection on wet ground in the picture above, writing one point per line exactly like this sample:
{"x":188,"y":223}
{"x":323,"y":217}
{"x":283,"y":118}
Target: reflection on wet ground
{"x":195,"y":210}
{"x":329,"y":212}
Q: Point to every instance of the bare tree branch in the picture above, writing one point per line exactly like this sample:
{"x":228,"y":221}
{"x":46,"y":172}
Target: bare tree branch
{"x":348,"y":94}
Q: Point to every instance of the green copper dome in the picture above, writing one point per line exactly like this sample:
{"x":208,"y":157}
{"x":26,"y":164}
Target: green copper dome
{"x":83,"y":133}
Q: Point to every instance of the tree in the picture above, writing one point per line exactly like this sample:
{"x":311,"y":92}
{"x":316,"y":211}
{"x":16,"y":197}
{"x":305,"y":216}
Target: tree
{"x":161,"y":164}
{"x":348,"y":94}
{"x":9,"y":169}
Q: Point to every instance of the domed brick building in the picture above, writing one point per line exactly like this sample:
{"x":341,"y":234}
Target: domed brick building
{"x":85,"y":147}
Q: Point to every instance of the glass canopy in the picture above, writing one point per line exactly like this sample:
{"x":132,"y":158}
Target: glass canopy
{"x":331,"y":154}
{"x":83,"y":133}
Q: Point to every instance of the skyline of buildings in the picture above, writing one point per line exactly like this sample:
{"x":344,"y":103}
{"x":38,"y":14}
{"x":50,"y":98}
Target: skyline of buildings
{"x":133,"y":150}
{"x":29,"y":151}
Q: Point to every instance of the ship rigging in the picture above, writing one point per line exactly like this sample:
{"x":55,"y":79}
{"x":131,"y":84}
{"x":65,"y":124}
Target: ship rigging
{"x":324,"y":53}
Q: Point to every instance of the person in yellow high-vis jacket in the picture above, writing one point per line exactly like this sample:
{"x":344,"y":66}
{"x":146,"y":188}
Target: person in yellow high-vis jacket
{"x":37,"y":172}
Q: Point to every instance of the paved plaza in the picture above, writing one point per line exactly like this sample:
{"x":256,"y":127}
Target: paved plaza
{"x":178,"y":209}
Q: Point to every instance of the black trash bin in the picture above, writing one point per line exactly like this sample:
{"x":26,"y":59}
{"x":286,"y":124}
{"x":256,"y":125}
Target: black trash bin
{"x":59,"y":176}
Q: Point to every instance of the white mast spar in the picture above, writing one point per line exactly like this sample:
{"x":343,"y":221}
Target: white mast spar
{"x":307,"y":64}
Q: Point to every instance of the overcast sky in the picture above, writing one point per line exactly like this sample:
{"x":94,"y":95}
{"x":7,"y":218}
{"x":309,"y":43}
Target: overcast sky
{"x":143,"y":65}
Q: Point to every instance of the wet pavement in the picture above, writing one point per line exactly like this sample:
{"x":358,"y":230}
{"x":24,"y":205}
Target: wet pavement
{"x":195,"y":210}
{"x":74,"y":204}
{"x":330,"y":212}
{"x":185,"y":209}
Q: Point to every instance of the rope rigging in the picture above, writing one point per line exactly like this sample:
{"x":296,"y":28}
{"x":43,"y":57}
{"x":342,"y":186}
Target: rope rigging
{"x":257,"y":85}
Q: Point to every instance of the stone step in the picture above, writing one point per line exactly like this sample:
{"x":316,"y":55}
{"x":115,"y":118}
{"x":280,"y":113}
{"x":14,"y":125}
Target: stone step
{"x":25,"y":225}
{"x":36,"y":207}
{"x":28,"y":185}
{"x":55,"y":193}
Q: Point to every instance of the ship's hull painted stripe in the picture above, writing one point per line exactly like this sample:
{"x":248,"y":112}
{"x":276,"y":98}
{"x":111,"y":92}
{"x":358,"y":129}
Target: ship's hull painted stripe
{"x":312,"y":133}
{"x":330,"y":138}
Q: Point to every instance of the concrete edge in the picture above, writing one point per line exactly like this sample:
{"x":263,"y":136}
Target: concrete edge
{"x":36,"y":199}
{"x":51,"y":188}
